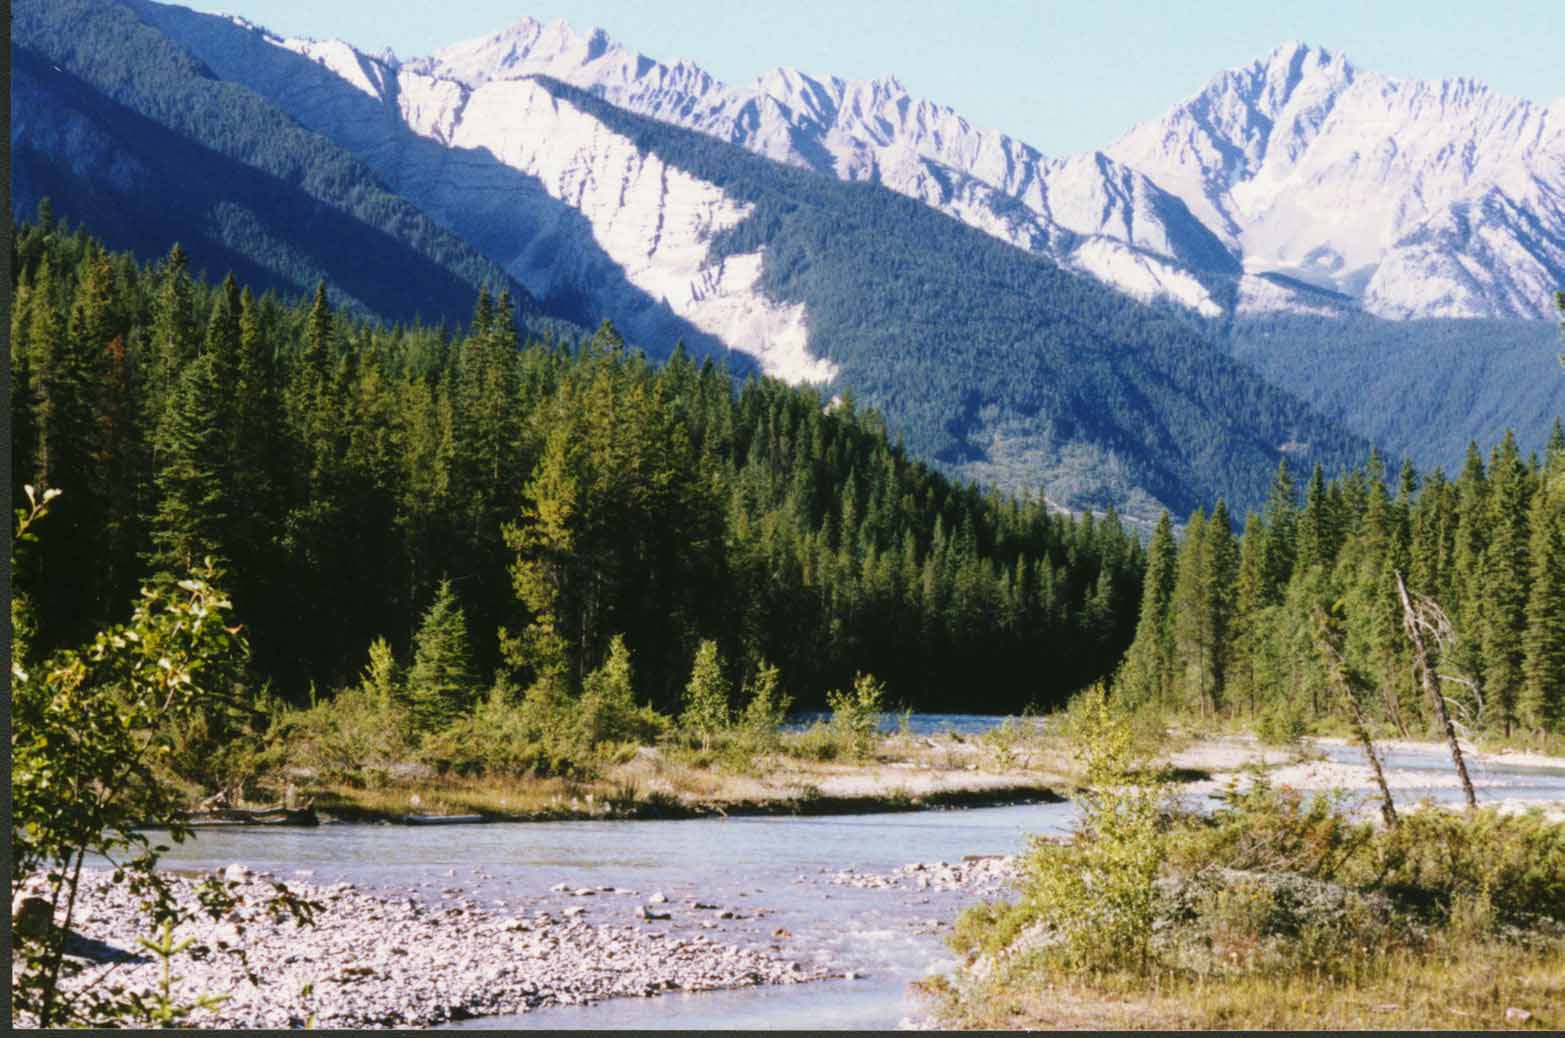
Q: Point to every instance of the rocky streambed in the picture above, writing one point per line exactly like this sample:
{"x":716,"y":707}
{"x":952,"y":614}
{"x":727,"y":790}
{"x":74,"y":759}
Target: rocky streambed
{"x":376,"y":959}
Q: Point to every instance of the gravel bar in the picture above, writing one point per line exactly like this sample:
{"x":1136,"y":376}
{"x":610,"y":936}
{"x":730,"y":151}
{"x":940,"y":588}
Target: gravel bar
{"x":376,"y":960}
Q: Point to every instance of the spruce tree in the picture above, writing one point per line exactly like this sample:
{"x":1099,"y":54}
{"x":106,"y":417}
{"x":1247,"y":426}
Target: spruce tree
{"x":1505,"y":581}
{"x":441,"y":684}
{"x":1542,"y":701}
{"x":1148,"y":673}
{"x":192,"y":508}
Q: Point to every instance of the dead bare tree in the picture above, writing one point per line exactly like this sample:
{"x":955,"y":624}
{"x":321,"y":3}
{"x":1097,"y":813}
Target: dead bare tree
{"x":1342,"y":678}
{"x":1417,"y":618}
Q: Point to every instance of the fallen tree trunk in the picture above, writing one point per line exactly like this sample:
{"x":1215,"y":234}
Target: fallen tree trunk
{"x":1431,"y":618}
{"x":1338,"y":667}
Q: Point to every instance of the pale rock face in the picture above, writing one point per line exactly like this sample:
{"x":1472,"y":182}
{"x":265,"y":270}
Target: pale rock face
{"x":1381,"y":188}
{"x":654,"y":222}
{"x":1413,"y":199}
{"x":874,"y":130}
{"x":566,"y":205}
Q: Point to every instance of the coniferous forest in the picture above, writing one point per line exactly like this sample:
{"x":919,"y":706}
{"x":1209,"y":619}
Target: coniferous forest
{"x":552,"y":495}
{"x":1275,"y":623}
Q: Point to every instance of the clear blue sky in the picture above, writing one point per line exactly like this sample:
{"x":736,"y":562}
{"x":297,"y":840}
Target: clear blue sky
{"x":1063,"y":75}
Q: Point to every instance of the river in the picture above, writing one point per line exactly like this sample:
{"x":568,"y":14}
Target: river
{"x":776,"y":874}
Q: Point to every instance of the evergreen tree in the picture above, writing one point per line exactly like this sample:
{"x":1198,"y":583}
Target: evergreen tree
{"x":706,"y":695}
{"x":192,"y":507}
{"x":441,"y":684}
{"x":1505,"y":580}
{"x":1542,"y":700}
{"x":1149,"y":669}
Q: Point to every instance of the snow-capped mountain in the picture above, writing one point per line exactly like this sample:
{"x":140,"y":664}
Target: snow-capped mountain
{"x":1087,"y":211}
{"x":1415,"y":199}
{"x":1420,"y":199}
{"x":1293,"y":173}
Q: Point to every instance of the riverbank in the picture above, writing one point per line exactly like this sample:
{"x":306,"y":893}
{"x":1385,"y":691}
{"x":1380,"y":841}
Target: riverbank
{"x":1273,"y":912}
{"x":904,"y":772}
{"x":1318,"y":765}
{"x":374,"y":959}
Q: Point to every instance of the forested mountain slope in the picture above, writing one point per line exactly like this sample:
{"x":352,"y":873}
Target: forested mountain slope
{"x":1421,"y":389}
{"x":340,"y":473}
{"x":992,"y":362}
{"x":128,"y":134}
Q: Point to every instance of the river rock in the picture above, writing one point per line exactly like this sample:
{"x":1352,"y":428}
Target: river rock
{"x":380,"y":961}
{"x":31,"y":916}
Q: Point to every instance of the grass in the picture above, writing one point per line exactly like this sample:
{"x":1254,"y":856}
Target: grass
{"x":900,"y":772}
{"x":1456,"y":985}
{"x":1275,"y":911}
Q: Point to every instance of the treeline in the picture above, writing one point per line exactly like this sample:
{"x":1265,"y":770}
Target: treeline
{"x":1276,"y":623}
{"x":341,"y":473}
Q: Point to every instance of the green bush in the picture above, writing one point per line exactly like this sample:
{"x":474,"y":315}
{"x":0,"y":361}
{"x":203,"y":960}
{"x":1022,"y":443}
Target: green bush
{"x":855,"y":714}
{"x":346,"y":737}
{"x":706,"y":696}
{"x":1261,"y":827}
{"x":606,"y":711}
{"x":818,"y":742}
{"x":1510,"y":864}
{"x":760,"y":725}
{"x":1098,"y":892}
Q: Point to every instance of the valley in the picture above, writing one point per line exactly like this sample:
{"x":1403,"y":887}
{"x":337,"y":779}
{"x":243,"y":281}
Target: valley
{"x":532,"y":535}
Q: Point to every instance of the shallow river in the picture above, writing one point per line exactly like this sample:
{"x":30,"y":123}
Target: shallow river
{"x":776,"y":874}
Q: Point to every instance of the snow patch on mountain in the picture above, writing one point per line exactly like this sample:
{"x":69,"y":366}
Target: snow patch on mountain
{"x":1411,"y":198}
{"x":1143,"y":276}
{"x":653,"y":221}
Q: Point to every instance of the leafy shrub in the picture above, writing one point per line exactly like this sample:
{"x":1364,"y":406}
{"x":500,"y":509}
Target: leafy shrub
{"x":1510,"y":864}
{"x":818,"y":742}
{"x":760,"y":725}
{"x":1261,"y":827}
{"x":346,"y":737}
{"x":855,"y":714}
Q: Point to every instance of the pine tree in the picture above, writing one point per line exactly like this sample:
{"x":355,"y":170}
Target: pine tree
{"x":1149,"y":668}
{"x":1252,"y":600}
{"x":1191,"y":615}
{"x":382,"y":679}
{"x":1464,"y":590}
{"x":1542,"y":701}
{"x":441,"y":684}
{"x":1281,"y":536}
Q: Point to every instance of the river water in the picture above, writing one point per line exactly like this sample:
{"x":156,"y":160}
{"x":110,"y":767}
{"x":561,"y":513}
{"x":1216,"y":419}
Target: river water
{"x":776,"y":874}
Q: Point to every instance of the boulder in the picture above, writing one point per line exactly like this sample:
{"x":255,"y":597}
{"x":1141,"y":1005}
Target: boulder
{"x":31,"y":916}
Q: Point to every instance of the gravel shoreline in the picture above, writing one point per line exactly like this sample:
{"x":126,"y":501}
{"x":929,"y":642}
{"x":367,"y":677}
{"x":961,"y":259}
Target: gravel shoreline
{"x":377,"y":960}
